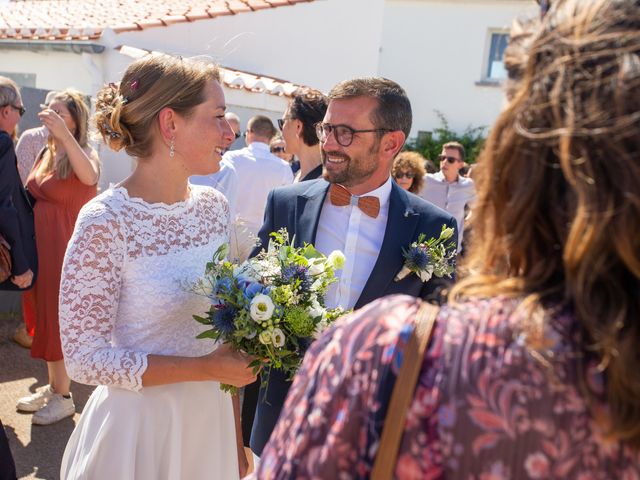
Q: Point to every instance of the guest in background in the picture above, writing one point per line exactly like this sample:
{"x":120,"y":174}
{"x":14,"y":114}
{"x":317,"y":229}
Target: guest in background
{"x":279,"y":149}
{"x":234,"y":122}
{"x":429,"y":166}
{"x":16,"y":214}
{"x":306,"y":109}
{"x":408,"y":171}
{"x":30,"y":144}
{"x":448,"y":189}
{"x":256,"y":170}
{"x":62,"y":180}
{"x":16,"y":223}
{"x":545,"y":326}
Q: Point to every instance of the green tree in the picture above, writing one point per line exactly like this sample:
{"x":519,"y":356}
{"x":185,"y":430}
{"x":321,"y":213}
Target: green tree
{"x":472,"y":138}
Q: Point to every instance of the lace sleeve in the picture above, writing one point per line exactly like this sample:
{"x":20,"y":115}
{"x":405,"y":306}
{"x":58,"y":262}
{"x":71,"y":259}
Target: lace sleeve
{"x":89,"y":295}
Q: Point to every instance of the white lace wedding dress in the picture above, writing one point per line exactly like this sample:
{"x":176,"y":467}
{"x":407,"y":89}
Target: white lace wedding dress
{"x":124,"y":295}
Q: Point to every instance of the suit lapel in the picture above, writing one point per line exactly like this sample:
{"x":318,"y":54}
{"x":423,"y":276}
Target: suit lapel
{"x":308,"y":208}
{"x":401,"y":226}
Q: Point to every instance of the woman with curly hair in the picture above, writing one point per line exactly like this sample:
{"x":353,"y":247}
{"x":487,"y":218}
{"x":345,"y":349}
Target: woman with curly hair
{"x":531,"y":370}
{"x":408,"y":171}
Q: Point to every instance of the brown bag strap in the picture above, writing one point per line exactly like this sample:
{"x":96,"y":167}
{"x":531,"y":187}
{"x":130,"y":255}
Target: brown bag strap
{"x":402,"y":395}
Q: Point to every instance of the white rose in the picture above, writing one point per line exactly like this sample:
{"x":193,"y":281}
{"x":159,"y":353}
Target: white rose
{"x":265,"y":337}
{"x":277,"y":337}
{"x":337,"y":259}
{"x":316,"y":266}
{"x":261,"y":308}
{"x":425,"y":275}
{"x":316,"y":310}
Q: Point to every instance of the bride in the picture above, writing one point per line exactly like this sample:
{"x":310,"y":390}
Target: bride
{"x":125,"y":313}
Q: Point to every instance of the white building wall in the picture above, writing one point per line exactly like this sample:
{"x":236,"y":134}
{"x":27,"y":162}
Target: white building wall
{"x":316,"y":44}
{"x":436,"y":50}
{"x":54,"y":70}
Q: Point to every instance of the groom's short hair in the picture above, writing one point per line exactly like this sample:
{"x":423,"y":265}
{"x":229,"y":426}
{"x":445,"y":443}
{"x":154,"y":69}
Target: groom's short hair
{"x":394,"y":109}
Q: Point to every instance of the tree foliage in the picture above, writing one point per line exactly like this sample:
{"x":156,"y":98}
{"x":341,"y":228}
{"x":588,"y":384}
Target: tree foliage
{"x":472,"y":138}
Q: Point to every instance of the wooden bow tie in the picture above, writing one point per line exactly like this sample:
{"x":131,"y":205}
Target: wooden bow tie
{"x":341,"y":197}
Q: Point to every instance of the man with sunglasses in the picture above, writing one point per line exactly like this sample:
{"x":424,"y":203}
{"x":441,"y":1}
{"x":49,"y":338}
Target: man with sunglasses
{"x":356,"y":208}
{"x":448,"y":189}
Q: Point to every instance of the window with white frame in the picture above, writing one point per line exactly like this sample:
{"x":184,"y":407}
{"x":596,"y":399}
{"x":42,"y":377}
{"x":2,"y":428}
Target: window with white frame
{"x":494,"y":70}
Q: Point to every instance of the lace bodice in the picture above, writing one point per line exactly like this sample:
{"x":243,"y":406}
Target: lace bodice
{"x":125,"y":283}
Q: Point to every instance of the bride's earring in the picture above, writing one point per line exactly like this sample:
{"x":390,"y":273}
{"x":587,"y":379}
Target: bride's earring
{"x":172,"y":148}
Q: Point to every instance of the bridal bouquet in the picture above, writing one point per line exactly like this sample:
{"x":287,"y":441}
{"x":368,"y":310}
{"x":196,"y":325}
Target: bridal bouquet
{"x":270,"y":304}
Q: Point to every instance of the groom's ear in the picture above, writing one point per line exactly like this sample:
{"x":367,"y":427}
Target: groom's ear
{"x":392,"y":143}
{"x":167,"y":122}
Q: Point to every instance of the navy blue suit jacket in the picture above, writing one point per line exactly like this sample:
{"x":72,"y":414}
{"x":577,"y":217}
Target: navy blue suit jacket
{"x":16,"y":215}
{"x":297,"y":208}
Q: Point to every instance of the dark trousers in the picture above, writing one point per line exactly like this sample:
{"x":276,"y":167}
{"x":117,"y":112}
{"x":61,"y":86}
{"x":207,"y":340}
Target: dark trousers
{"x":7,"y":466}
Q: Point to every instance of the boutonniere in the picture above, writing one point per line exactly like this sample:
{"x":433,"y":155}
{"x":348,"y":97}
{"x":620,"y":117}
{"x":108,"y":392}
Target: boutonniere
{"x":430,"y":257}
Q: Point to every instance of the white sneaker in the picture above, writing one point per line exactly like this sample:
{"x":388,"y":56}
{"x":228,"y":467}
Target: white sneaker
{"x":55,"y":410}
{"x":36,"y":401}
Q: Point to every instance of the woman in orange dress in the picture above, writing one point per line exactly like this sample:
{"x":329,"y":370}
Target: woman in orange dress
{"x":63,"y":179}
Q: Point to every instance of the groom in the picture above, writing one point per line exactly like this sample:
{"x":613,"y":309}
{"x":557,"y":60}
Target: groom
{"x":357,"y":209}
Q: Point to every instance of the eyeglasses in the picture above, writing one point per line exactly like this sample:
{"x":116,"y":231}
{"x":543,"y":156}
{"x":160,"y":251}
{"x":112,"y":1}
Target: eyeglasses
{"x":342,"y":133}
{"x":408,"y":175}
{"x":281,"y":123}
{"x":237,"y":135}
{"x":448,"y":159}
{"x":21,"y":110}
{"x":277,"y":149}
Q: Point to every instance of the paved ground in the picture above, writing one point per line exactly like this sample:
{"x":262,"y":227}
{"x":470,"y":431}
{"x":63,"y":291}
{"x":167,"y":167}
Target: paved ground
{"x":37,"y":450}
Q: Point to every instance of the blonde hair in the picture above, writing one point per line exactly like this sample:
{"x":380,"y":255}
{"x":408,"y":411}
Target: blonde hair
{"x":75,"y":103}
{"x":557,"y":217}
{"x":125,"y":113}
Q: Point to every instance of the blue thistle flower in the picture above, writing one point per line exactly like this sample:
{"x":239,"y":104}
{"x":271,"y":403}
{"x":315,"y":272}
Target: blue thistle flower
{"x":417,"y":258}
{"x":223,"y":320}
{"x":291,"y":273}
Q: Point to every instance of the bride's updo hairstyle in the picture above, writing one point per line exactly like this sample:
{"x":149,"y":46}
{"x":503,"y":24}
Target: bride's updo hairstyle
{"x":126,"y":112}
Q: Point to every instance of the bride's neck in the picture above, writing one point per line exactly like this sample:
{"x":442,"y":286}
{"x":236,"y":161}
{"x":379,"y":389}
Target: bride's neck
{"x":157,"y":182}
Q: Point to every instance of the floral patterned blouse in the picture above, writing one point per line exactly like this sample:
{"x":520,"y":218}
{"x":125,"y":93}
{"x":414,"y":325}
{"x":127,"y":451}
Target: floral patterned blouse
{"x":486,"y":407}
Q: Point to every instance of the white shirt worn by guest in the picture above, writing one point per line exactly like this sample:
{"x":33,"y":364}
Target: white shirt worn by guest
{"x":245,"y":178}
{"x":225,"y":181}
{"x":359,"y":237}
{"x":258,"y":172}
{"x":452,"y":197}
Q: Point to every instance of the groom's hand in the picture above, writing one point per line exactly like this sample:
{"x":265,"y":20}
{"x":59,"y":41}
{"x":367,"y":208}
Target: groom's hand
{"x":229,"y":366}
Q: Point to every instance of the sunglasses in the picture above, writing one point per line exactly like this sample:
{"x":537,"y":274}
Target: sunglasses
{"x":237,"y":135}
{"x":405,"y":175}
{"x":21,"y":110}
{"x":448,"y":159}
{"x":277,"y":150}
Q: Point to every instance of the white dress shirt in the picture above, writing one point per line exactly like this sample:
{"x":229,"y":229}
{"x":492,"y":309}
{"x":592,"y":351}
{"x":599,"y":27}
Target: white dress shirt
{"x":359,"y":237}
{"x":246,"y":177}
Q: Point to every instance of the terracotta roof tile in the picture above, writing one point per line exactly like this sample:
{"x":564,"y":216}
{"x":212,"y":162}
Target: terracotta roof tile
{"x":235,"y":79}
{"x":74,"y":20}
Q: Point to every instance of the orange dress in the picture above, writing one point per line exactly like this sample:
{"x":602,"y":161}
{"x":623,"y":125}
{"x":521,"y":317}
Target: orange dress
{"x":58,"y":202}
